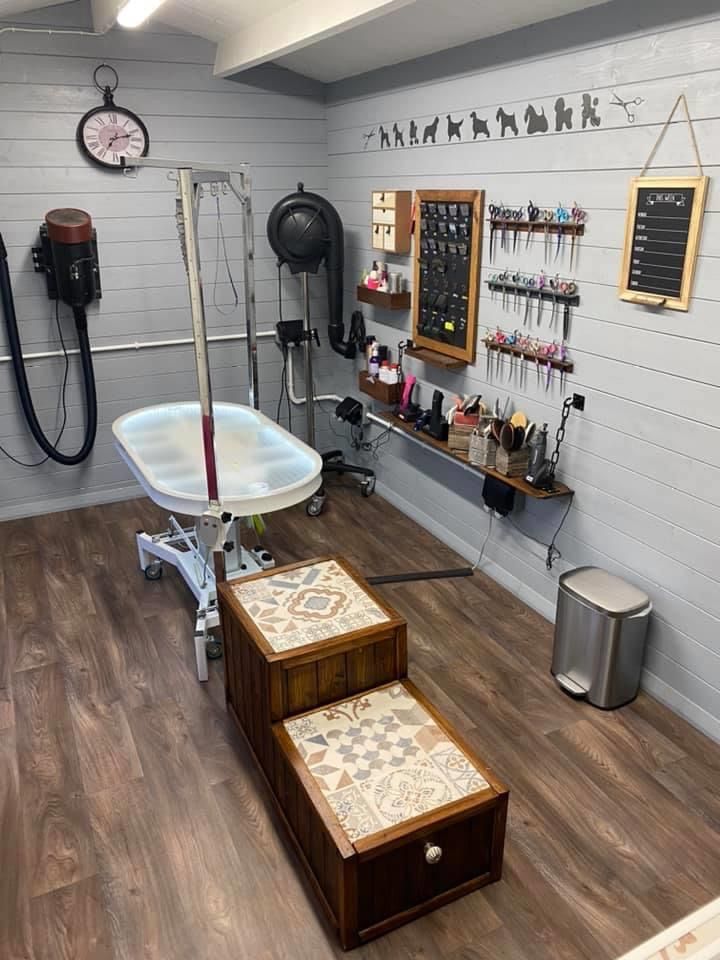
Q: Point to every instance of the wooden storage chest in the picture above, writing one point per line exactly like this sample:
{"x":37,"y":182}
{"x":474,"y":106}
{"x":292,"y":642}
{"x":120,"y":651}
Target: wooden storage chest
{"x":391,"y":814}
{"x":301,"y":636}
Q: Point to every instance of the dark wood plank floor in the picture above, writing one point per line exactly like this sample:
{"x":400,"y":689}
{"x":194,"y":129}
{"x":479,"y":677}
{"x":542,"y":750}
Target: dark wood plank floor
{"x":133,"y":825}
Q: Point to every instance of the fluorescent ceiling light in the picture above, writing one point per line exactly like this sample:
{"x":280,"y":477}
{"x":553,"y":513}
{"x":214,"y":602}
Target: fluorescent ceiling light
{"x":135,"y":12}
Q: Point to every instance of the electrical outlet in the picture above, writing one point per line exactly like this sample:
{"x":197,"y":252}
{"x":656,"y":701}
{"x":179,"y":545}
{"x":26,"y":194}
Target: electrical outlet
{"x":578,"y":401}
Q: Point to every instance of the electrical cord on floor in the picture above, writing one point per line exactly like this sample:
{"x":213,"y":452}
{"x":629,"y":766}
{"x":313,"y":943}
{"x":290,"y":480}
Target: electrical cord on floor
{"x":62,"y":398}
{"x":369,"y":446}
{"x":220,"y":240}
{"x":553,"y":554}
{"x":485,"y":542}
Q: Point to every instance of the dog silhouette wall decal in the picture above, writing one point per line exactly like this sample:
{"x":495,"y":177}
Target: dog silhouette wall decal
{"x":453,"y":128}
{"x":563,"y":115}
{"x":507,"y":122}
{"x":536,"y":122}
{"x":430,"y":131}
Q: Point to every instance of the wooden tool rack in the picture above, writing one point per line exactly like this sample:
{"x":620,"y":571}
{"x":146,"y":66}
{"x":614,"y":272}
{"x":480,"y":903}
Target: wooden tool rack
{"x":546,"y":294}
{"x":566,"y":365}
{"x":569,"y":228}
{"x":390,"y":421}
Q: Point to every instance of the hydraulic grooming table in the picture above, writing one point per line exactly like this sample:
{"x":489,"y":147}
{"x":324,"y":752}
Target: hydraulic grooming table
{"x":260,"y":467}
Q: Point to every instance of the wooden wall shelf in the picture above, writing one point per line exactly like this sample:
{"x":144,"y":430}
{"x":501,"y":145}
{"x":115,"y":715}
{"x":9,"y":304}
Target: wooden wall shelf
{"x":384,"y":392}
{"x":435,"y":359}
{"x":517,"y":483}
{"x":386,"y":301}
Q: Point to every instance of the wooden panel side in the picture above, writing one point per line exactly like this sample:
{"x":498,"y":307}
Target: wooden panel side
{"x":302,"y":688}
{"x":332,"y":678}
{"x":360,"y":668}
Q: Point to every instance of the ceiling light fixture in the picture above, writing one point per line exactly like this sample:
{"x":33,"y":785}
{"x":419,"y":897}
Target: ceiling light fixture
{"x":135,"y":12}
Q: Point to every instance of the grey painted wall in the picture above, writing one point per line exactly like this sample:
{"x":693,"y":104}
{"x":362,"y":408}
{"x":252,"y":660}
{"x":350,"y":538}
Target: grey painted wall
{"x":644,"y":458}
{"x":45,"y":87}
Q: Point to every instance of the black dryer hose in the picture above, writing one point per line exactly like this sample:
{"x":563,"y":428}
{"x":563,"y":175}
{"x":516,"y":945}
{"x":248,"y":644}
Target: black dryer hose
{"x":8,"y":308}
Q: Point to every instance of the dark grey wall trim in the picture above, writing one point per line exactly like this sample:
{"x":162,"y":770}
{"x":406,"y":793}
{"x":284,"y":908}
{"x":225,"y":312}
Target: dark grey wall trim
{"x":599,"y":24}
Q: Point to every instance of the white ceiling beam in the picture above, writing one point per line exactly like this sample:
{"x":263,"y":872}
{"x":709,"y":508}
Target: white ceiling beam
{"x":104,"y":14}
{"x":294,"y":27}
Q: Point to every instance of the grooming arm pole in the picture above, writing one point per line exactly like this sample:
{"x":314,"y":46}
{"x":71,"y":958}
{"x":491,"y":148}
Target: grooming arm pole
{"x":189,"y":199}
{"x":243,"y":193}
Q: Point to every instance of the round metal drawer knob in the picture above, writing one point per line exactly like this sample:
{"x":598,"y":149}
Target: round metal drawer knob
{"x":433,"y":853}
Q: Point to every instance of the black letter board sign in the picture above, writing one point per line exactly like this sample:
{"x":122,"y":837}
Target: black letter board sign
{"x":662,"y":233}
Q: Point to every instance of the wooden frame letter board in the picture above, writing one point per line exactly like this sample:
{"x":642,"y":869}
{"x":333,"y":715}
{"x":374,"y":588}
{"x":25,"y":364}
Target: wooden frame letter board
{"x":662,"y":235}
{"x":447,"y":262}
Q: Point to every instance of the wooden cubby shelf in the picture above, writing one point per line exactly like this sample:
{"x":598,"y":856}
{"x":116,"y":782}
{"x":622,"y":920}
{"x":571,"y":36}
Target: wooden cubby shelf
{"x":399,"y":426}
{"x":386,"y":301}
{"x":435,"y":359}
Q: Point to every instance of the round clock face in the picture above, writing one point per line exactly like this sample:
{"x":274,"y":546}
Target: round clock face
{"x":108,"y":133}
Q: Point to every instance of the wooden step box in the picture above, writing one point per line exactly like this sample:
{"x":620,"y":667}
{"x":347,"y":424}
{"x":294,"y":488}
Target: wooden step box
{"x":300,"y":636}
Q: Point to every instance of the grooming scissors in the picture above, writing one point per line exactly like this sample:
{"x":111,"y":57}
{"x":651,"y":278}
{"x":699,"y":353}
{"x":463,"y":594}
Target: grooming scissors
{"x":578,"y":216}
{"x":494,"y":212}
{"x":562,"y":217}
{"x":533,"y":213}
{"x":541,"y":281}
{"x":548,"y":217}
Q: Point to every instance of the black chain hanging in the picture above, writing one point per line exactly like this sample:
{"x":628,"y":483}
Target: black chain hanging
{"x":560,"y":435}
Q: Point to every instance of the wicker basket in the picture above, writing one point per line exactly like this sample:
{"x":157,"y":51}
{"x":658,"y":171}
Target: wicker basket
{"x":482,"y":450}
{"x":514,"y":464}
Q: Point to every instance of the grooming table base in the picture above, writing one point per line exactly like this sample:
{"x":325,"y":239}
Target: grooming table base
{"x":391,"y":815}
{"x":179,"y":547}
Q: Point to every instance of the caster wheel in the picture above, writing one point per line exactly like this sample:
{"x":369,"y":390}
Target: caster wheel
{"x":213,"y":650}
{"x":153,"y":571}
{"x":367,"y":487}
{"x":315,"y":506}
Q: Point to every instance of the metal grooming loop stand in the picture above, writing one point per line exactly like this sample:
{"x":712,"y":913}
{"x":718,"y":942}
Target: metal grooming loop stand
{"x":189,"y":549}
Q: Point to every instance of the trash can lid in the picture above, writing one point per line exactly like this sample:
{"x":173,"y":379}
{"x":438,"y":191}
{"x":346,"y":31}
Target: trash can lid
{"x":604,"y":591}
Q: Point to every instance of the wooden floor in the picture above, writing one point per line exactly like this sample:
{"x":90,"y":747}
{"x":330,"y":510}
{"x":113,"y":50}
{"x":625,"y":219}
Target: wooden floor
{"x":133,"y":824}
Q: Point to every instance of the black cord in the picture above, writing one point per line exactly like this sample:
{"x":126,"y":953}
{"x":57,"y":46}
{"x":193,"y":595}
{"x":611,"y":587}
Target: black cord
{"x":62,"y":398}
{"x":553,"y":554}
{"x":220,"y":239}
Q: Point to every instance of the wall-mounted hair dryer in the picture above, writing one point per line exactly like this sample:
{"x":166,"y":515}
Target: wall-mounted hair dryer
{"x":304,"y":229}
{"x":68,"y":257}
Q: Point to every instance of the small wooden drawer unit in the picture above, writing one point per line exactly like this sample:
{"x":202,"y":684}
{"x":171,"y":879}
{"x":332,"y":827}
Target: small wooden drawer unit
{"x":391,"y":213}
{"x":391,"y":814}
{"x":301,"y":636}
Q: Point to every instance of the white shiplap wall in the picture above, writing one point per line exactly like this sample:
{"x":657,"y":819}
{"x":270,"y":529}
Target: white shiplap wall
{"x":45,"y":87}
{"x":644,"y":458}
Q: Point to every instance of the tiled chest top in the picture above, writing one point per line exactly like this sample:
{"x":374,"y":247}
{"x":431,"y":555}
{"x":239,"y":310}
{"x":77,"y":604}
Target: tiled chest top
{"x":380,"y":759}
{"x":293,"y":608}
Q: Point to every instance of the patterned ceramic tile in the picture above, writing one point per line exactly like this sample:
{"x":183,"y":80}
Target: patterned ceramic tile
{"x":308,"y":604}
{"x":381,"y":759}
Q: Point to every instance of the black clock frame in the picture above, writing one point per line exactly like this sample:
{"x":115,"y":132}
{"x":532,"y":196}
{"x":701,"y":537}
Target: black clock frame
{"x":108,"y":104}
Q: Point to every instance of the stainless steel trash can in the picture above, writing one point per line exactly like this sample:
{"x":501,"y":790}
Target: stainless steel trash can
{"x":600,"y":629}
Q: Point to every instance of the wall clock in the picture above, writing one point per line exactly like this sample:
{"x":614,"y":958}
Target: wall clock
{"x":107,"y":133}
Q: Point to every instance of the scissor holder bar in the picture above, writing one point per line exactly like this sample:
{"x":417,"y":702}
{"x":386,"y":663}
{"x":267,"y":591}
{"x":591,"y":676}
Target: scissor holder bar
{"x":537,"y":226}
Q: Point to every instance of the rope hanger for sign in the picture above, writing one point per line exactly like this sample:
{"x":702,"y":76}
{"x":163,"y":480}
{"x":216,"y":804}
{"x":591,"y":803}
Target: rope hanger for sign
{"x":680,"y":99}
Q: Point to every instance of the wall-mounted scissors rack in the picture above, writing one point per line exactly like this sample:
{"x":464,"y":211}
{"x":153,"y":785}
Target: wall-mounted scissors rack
{"x":566,"y":366}
{"x":538,"y":226}
{"x":546,"y":294}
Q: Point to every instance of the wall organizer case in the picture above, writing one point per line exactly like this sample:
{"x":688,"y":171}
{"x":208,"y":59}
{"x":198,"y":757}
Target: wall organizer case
{"x":391,"y":214}
{"x":391,"y":814}
{"x":447,"y":261}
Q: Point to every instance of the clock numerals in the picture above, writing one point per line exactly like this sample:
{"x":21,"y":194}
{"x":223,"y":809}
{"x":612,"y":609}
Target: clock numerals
{"x":108,"y":135}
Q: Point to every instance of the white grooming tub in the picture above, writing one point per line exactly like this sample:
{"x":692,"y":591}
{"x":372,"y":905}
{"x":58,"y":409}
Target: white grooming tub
{"x":260,"y":468}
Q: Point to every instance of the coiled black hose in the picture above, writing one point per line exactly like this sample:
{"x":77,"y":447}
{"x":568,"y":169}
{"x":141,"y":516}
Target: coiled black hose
{"x":8,"y":307}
